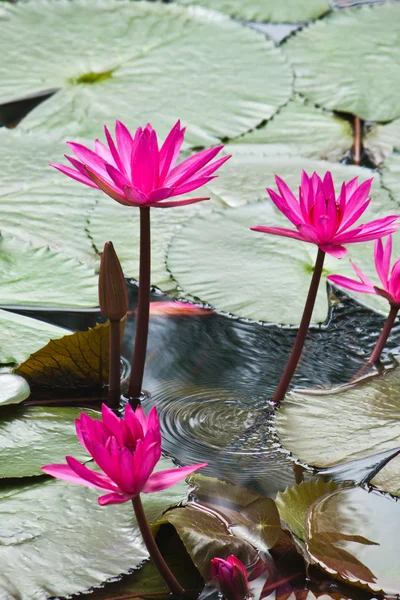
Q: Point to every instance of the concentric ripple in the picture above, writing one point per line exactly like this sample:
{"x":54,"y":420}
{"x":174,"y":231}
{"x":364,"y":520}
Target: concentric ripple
{"x":225,"y":430}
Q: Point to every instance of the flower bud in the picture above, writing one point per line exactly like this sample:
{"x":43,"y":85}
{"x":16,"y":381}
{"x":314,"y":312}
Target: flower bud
{"x":113,"y":295}
{"x":230,"y":577}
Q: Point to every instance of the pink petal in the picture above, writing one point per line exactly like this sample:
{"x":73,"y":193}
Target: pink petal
{"x":96,"y":479}
{"x":355,"y":201}
{"x":109,"y":465}
{"x":118,"y":178}
{"x":107,"y":188}
{"x":289,"y":197}
{"x":369,"y":231}
{"x":382,"y":260}
{"x":361,"y":275}
{"x":114,"y":499}
{"x":160,"y":194}
{"x":103,"y":152}
{"x":144,"y":171}
{"x":354,"y":217}
{"x":191,"y":165}
{"x":164,"y":479}
{"x":89,"y":158}
{"x":394,"y":283}
{"x":117,"y":162}
{"x":126,"y":146}
{"x":113,"y":423}
{"x":329,"y":188}
{"x":179,"y":203}
{"x":210,"y":169}
{"x":192,"y":185}
{"x":351,"y":284}
{"x":334,"y":250}
{"x":127,"y":470}
{"x":170,"y":150}
{"x":280,"y":231}
{"x":284,"y":208}
{"x":310,"y":234}
{"x":74,"y":174}
{"x":135,"y":196}
{"x":145,"y":458}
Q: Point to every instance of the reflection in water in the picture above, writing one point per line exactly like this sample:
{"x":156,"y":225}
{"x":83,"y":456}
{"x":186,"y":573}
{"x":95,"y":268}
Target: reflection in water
{"x":211,"y":378}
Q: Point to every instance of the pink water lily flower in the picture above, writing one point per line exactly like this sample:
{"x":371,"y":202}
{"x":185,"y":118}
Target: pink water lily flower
{"x":230,"y":577}
{"x":390,"y":279}
{"x":323,"y":219}
{"x":126,"y":450}
{"x":136,"y":172}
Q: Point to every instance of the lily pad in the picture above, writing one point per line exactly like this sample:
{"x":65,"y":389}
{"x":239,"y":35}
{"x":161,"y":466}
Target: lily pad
{"x":37,"y":204}
{"x":40,"y":521}
{"x":348,"y":423}
{"x":354,"y":535}
{"x":38,"y":276}
{"x":13,"y":389}
{"x":300,"y":129}
{"x":34,"y":436}
{"x":146,"y":51}
{"x":246,"y":280}
{"x":381,"y":140}
{"x":74,"y":361}
{"x":21,"y":336}
{"x":289,"y":11}
{"x":294,"y":502}
{"x":391,"y":176}
{"x":335,"y":62}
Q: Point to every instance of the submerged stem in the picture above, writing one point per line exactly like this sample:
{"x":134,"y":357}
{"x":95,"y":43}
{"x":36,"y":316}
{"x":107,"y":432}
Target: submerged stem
{"x":153,"y":549}
{"x":357,"y":141}
{"x":114,"y":376}
{"x":380,"y":344}
{"x":142,"y":315}
{"x":302,"y":332}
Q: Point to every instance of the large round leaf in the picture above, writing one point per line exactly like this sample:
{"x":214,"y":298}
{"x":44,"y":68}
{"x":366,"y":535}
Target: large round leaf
{"x":335,"y":62}
{"x":262,"y":277}
{"x":13,"y":389}
{"x":349,"y":423}
{"x":56,"y":540}
{"x":21,"y":336}
{"x":391,"y":176}
{"x":355,"y":535}
{"x":140,"y":62}
{"x":32,"y":437}
{"x":30,"y":277}
{"x":300,"y":129}
{"x":380,"y":140}
{"x":288,"y":11}
{"x":37,"y":203}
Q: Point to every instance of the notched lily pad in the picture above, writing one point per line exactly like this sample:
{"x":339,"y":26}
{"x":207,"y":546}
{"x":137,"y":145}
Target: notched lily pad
{"x":347,"y":423}
{"x":335,"y":62}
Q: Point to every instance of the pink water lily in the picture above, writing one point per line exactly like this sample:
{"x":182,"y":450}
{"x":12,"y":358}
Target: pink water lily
{"x":126,"y":450}
{"x":390,"y":279}
{"x":323,"y":219}
{"x":134,"y":171}
{"x":230,"y":577}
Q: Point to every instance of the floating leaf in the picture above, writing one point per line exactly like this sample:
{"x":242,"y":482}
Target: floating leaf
{"x":246,"y":280}
{"x":354,"y":535}
{"x":391,"y":176}
{"x":289,"y":11}
{"x":37,"y":204}
{"x":74,"y":361}
{"x":381,"y":140}
{"x":300,"y":129}
{"x":32,"y":437}
{"x":335,"y":61}
{"x":30,"y":277}
{"x":13,"y":389}
{"x":145,"y":51}
{"x":348,"y":423}
{"x":21,"y":336}
{"x":40,"y":521}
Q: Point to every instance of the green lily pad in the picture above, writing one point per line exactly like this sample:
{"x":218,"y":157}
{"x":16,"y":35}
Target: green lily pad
{"x":354,"y":535}
{"x":31,"y":277}
{"x":335,"y":61}
{"x":348,"y":423}
{"x":13,"y":389}
{"x":289,"y":11}
{"x":38,"y":204}
{"x":300,"y":129}
{"x":34,"y":436}
{"x":294,"y":503}
{"x":246,"y":279}
{"x":47,"y":521}
{"x":21,"y":336}
{"x":381,"y":140}
{"x":391,"y":176}
{"x":146,"y":51}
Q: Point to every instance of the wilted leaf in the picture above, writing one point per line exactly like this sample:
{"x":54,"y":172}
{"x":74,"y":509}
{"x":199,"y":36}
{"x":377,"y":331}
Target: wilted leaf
{"x":74,"y":361}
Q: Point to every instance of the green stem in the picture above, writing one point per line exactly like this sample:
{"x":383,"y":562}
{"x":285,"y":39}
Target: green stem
{"x":302,"y":332}
{"x":155,"y":554}
{"x":387,"y":328}
{"x":142,"y":315}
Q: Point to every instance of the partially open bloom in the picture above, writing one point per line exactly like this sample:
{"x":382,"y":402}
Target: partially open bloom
{"x":126,"y":450}
{"x":230,"y":577}
{"x":136,"y":172}
{"x":390,"y":279}
{"x":323,"y":219}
